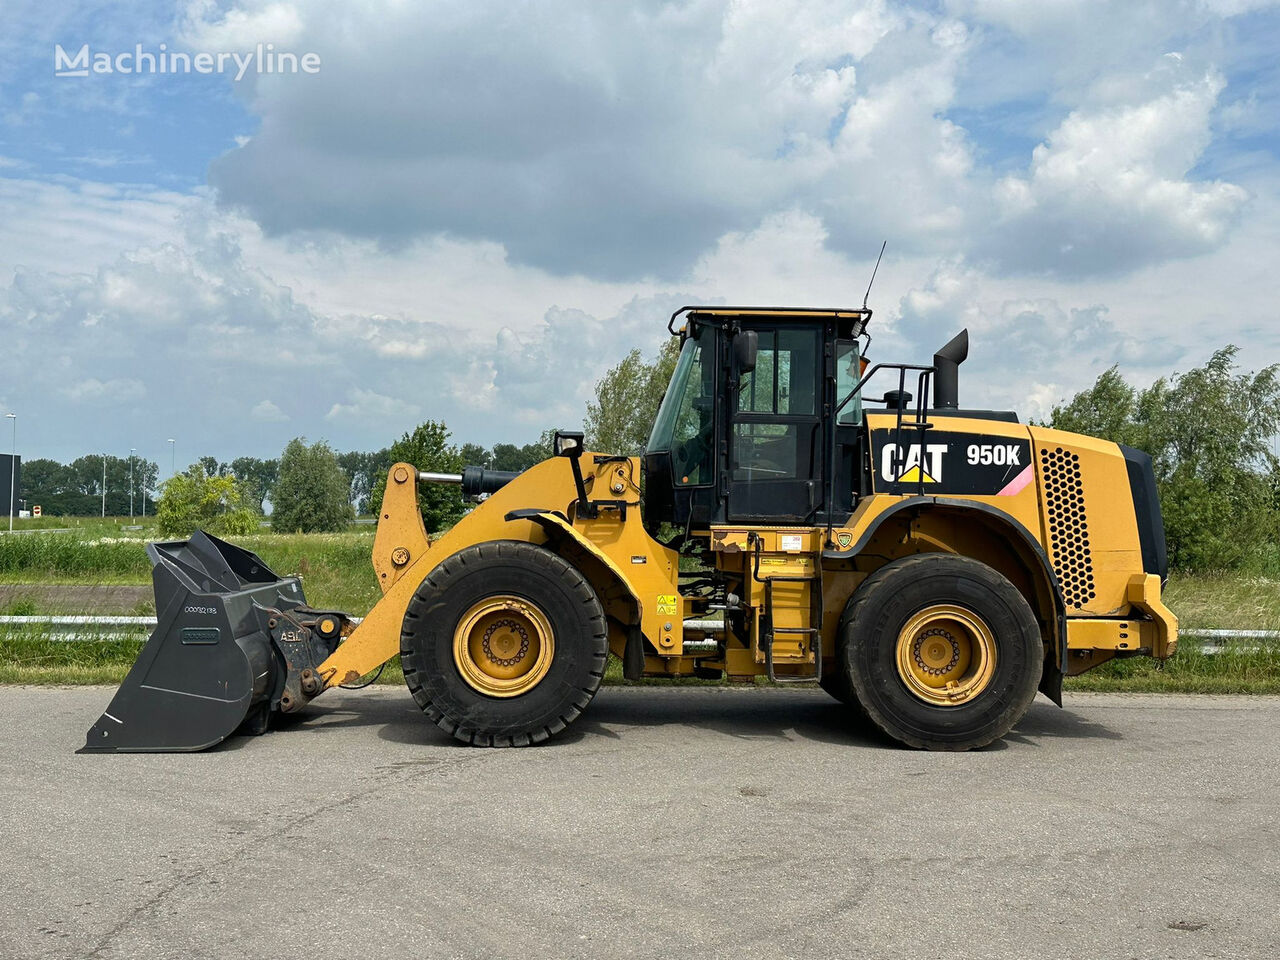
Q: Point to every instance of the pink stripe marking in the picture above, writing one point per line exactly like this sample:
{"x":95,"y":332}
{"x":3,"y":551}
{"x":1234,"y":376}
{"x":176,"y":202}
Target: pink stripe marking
{"x":1017,"y":484}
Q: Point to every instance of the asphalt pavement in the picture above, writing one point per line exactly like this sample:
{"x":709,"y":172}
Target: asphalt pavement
{"x":666,"y":823}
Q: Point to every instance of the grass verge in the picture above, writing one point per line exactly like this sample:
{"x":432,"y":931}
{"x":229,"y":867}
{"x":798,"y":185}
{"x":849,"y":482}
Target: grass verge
{"x":334,"y":566}
{"x":1237,"y":668}
{"x":337,"y":575}
{"x":29,"y":657}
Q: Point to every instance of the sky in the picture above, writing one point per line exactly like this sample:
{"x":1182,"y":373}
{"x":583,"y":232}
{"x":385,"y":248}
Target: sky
{"x":469,"y":211}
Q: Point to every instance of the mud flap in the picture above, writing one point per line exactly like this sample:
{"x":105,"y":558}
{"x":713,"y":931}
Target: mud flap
{"x":1051,"y":681}
{"x":211,"y":664}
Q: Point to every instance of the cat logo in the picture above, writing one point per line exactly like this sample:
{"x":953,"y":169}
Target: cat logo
{"x":919,"y":463}
{"x":844,"y":538}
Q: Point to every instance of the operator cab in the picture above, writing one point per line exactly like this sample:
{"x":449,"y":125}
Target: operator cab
{"x":745,"y":432}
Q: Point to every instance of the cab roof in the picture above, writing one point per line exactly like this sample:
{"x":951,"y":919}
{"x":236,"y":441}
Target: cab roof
{"x":797,"y":313}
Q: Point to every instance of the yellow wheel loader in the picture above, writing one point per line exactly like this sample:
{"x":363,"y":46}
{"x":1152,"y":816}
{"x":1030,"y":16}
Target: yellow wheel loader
{"x":929,"y":566}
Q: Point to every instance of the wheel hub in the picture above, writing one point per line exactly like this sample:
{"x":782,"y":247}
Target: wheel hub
{"x":936,"y":652}
{"x":505,"y":642}
{"x":946,"y":655}
{"x":503,"y":646}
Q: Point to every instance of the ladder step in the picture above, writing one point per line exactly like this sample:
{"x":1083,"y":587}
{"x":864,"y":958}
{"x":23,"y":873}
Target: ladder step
{"x":789,"y":678}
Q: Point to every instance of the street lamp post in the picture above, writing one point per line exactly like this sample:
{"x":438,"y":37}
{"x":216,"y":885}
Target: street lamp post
{"x":104,"y":486}
{"x":172,"y":461}
{"x":13,"y":468}
{"x":131,"y":449}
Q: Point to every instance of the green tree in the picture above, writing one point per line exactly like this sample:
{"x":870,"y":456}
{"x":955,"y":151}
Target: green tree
{"x":627,"y":399}
{"x":146,"y":475}
{"x":507,"y":456}
{"x":85,"y":487}
{"x":311,"y":491}
{"x":474,"y":455}
{"x":214,"y":467}
{"x":364,"y":469}
{"x":81,"y":494}
{"x":76,"y":489}
{"x":1108,"y":409}
{"x":428,"y":449}
{"x":47,"y":483}
{"x":1208,"y":432}
{"x":196,"y":501}
{"x":257,"y":476}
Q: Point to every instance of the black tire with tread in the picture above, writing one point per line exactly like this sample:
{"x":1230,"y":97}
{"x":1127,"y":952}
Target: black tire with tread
{"x":836,"y":683}
{"x":558,"y":590}
{"x":881,"y":607}
{"x":835,"y":680}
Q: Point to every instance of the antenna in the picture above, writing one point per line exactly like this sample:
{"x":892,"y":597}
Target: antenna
{"x":873,"y":275}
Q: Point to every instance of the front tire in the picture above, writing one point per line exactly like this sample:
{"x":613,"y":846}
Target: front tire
{"x":942,"y":652}
{"x":504,"y":644}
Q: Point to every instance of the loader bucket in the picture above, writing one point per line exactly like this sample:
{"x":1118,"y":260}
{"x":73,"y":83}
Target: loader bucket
{"x":209,"y":666}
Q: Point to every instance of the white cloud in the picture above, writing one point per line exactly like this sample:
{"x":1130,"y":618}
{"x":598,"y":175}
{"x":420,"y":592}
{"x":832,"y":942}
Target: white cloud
{"x":449,"y":221}
{"x":785,"y":259}
{"x":206,"y":26}
{"x":106,"y":392}
{"x":373,"y":409}
{"x":1232,"y":8}
{"x":631,"y":161}
{"x":73,"y":226}
{"x":602,"y":147}
{"x":1108,"y":190}
{"x":206,"y":317}
{"x":266,"y":411}
{"x":1026,"y":352}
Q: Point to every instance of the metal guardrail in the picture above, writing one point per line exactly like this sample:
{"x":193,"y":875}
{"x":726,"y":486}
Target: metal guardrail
{"x":64,"y":628}
{"x":81,"y":621}
{"x":1232,"y":634}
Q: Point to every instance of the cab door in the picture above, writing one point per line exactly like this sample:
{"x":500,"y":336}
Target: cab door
{"x":775,"y":433}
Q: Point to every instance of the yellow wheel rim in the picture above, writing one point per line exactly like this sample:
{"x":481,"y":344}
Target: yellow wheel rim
{"x":946,"y":655}
{"x":503,"y":646}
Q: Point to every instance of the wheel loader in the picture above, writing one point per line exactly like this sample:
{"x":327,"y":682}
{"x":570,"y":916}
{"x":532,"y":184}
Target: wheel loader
{"x":928,"y":565}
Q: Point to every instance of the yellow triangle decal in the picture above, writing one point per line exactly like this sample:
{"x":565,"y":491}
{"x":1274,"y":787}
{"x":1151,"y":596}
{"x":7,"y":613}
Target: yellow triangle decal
{"x":916,"y":475}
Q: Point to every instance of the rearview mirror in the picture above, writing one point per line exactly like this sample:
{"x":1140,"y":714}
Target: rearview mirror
{"x":745,"y":346}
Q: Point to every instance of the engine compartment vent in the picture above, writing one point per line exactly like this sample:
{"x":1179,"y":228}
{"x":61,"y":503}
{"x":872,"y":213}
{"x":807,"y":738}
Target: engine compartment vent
{"x":1068,"y":527}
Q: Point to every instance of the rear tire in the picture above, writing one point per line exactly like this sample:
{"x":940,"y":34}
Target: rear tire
{"x":941,"y":652}
{"x":504,"y":644}
{"x":837,"y":682}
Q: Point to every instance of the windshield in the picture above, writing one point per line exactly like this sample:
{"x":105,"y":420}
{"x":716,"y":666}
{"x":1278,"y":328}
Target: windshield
{"x":685,"y":425}
{"x":848,"y":372}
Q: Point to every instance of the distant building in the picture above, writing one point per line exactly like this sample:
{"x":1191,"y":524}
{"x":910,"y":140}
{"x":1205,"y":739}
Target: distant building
{"x":7,"y":464}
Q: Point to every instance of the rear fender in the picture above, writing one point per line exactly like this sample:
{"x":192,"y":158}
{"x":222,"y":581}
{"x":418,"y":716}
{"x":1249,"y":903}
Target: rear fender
{"x":1026,"y":551}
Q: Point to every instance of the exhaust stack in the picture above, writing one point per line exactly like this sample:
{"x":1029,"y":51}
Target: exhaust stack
{"x":946,"y":365}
